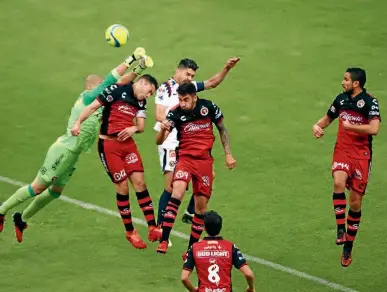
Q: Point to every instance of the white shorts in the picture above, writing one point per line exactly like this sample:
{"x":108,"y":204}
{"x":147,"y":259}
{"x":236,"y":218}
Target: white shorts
{"x":167,"y":159}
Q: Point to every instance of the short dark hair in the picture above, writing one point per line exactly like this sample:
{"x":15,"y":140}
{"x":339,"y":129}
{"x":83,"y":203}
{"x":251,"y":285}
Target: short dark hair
{"x":150,"y":79}
{"x":188,"y":63}
{"x":186,"y":88}
{"x":212,"y":223}
{"x":358,"y":74}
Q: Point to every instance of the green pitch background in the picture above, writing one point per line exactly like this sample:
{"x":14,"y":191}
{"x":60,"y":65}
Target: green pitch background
{"x":277,"y":203}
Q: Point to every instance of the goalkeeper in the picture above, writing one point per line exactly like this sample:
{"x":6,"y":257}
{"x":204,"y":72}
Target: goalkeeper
{"x":63,"y":155}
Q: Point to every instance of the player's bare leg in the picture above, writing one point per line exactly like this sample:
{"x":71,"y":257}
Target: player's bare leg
{"x":20,"y":196}
{"x":123,"y":206}
{"x":145,"y":202}
{"x":353,"y":222}
{"x":197,"y":226}
{"x":171,"y":211}
{"x":339,"y":204}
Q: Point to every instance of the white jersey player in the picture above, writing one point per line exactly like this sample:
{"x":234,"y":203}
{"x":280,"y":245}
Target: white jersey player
{"x":166,"y":98}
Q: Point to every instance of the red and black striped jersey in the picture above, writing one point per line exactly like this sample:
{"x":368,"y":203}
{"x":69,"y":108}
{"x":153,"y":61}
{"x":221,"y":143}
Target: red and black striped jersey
{"x":121,"y":107}
{"x":360,"y":110}
{"x":214,"y":258}
{"x":194,"y":128}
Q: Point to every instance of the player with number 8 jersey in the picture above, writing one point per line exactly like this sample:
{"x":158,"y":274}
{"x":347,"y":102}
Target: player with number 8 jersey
{"x":214,"y":258}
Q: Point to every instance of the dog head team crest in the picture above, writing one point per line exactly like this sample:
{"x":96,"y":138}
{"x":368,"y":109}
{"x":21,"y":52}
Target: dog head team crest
{"x":360,"y":103}
{"x":204,"y":111}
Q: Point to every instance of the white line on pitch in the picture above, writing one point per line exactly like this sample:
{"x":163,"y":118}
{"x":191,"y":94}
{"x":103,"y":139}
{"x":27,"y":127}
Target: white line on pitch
{"x":258,"y":260}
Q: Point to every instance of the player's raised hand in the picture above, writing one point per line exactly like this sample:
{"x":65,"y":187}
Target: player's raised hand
{"x":76,"y":129}
{"x":165,"y":125}
{"x":232,"y":62}
{"x":318,"y":132}
{"x":126,"y":133}
{"x":230,"y":161}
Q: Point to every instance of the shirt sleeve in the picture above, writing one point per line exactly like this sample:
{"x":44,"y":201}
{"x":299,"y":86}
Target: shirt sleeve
{"x":216,"y":114}
{"x":334,"y":109}
{"x":91,"y":95}
{"x":373,"y":111}
{"x":110,"y":94}
{"x":199,"y":85}
{"x":173,"y":118}
{"x":189,"y":263}
{"x":141,"y":113}
{"x":162,"y":95}
{"x":237,"y":257}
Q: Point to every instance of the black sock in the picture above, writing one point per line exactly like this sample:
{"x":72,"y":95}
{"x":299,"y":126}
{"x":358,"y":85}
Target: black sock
{"x":339,"y":206}
{"x":170,"y":217}
{"x":196,"y":229}
{"x":145,"y":202}
{"x":191,"y":205}
{"x":163,"y":202}
{"x":123,"y":206}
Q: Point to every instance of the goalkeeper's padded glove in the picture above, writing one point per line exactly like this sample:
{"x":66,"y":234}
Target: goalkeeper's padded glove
{"x":138,"y":53}
{"x":144,"y":63}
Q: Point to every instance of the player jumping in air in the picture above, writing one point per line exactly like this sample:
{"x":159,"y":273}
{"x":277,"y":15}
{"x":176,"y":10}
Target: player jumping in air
{"x":166,"y":98}
{"x":192,"y":119}
{"x":63,"y":155}
{"x":359,"y":120}
{"x":123,"y":116}
{"x":214,"y":258}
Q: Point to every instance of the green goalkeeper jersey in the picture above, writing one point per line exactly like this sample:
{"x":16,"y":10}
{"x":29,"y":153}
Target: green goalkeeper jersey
{"x":90,"y":127}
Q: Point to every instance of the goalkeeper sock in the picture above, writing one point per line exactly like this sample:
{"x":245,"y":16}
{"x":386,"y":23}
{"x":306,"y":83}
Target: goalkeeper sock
{"x":145,"y":202}
{"x":125,"y":212}
{"x":39,"y":203}
{"x":163,"y":202}
{"x":21,"y":195}
{"x":170,"y":217}
{"x":196,"y":229}
{"x":191,"y":205}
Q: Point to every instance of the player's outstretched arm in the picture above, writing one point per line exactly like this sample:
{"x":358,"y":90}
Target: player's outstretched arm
{"x":185,"y":274}
{"x":248,"y":273}
{"x":224,"y":138}
{"x":87,"y":111}
{"x":215,"y":80}
{"x":318,"y":128}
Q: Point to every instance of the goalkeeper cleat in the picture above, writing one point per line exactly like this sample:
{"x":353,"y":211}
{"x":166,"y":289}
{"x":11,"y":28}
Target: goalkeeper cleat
{"x":346,"y":257}
{"x":341,"y":237}
{"x":154,"y":233}
{"x":187,"y":217}
{"x":163,"y":247}
{"x":20,"y":226}
{"x":135,"y":239}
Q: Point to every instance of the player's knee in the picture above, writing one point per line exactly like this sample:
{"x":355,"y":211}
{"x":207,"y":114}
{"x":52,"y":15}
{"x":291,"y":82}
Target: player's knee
{"x":122,"y":187}
{"x":339,"y":185}
{"x":179,"y":188}
{"x":38,"y":188}
{"x":57,"y":190}
{"x":139,"y":186}
{"x":355,"y":202}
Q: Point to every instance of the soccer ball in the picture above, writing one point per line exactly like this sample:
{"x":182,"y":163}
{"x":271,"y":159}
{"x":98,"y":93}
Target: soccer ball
{"x":117,"y":35}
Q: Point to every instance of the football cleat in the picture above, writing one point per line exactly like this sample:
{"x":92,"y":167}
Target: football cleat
{"x":154,"y":233}
{"x":187,"y":217}
{"x":346,"y":257}
{"x":163,"y":247}
{"x":20,"y":226}
{"x":341,"y":237}
{"x":135,"y":239}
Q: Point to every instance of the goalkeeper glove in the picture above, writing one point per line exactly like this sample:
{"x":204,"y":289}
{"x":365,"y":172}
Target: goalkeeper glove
{"x":144,"y":63}
{"x":138,"y":53}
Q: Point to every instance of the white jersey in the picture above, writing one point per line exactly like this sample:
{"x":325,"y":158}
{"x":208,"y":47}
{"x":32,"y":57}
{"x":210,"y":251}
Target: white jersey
{"x":166,"y":95}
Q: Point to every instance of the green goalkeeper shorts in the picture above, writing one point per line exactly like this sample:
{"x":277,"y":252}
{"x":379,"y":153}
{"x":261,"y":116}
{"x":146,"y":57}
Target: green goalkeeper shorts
{"x":58,"y":166}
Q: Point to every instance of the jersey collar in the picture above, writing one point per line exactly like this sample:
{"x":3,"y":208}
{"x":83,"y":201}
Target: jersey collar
{"x":213,"y":238}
